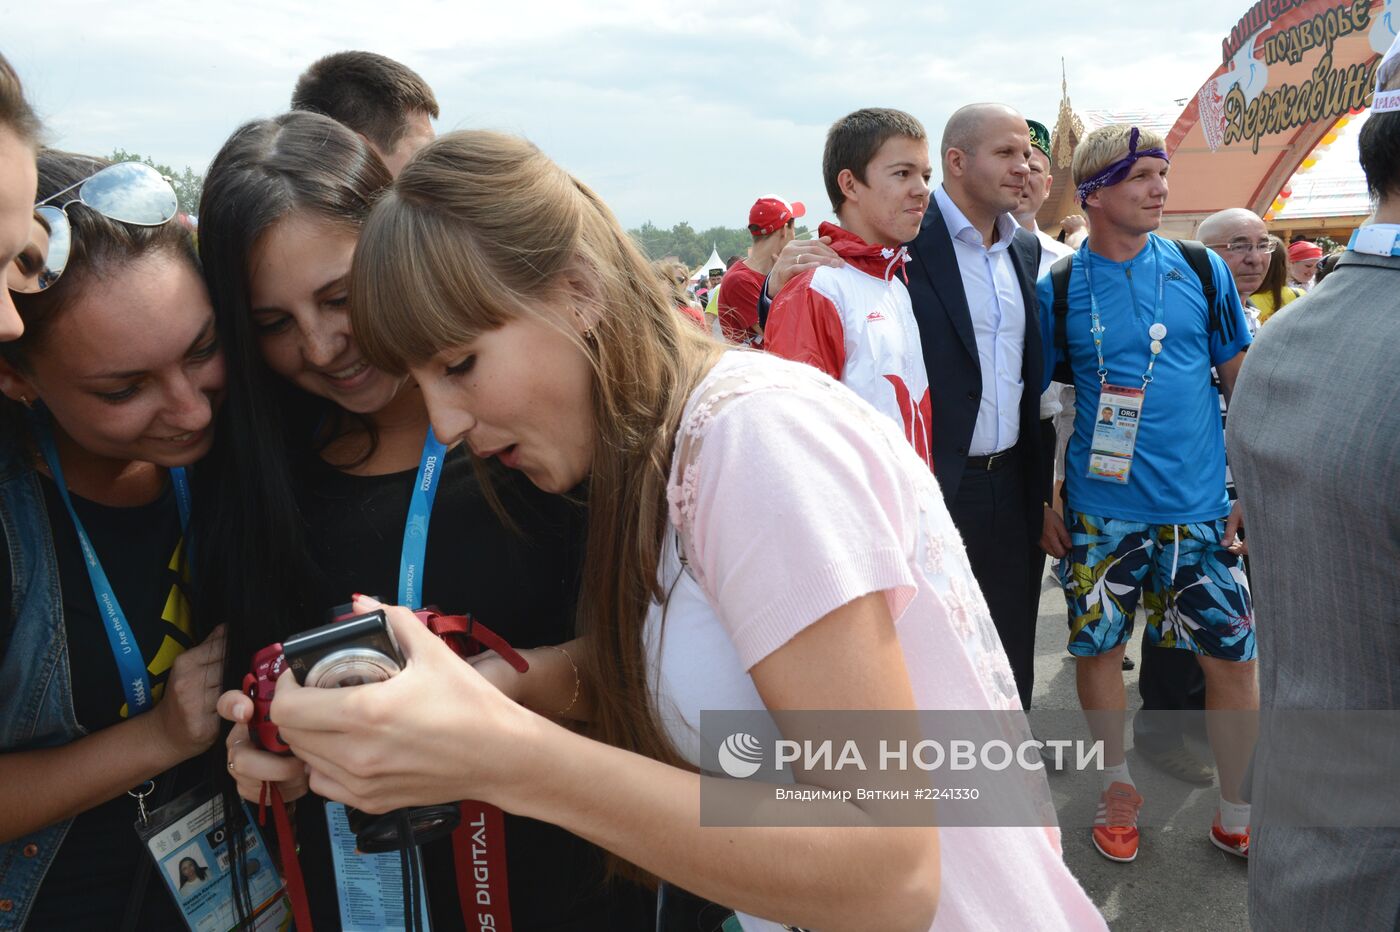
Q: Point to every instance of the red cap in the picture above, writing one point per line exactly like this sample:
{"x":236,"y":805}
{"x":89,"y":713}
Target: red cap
{"x":769,"y":213}
{"x":1304,"y":250}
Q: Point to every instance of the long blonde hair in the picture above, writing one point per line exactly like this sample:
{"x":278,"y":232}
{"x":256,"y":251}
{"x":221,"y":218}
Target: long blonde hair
{"x":481,"y":228}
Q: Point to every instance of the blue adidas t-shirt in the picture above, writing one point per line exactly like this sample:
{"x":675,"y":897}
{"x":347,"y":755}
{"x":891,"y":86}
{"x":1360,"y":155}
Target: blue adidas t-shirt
{"x":1178,"y":473}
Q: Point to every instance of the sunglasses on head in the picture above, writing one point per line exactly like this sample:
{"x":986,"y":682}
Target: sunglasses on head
{"x":128,"y":192}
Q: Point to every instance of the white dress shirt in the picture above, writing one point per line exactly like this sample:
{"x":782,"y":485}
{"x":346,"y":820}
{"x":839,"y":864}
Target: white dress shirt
{"x":998,"y":324}
{"x":1051,"y":251}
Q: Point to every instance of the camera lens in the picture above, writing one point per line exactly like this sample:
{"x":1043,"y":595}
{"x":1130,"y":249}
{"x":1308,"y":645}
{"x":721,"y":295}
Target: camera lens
{"x":353,"y":666}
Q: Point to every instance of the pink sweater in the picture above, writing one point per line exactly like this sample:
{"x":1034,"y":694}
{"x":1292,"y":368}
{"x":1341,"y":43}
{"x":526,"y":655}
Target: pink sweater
{"x":793,"y":497}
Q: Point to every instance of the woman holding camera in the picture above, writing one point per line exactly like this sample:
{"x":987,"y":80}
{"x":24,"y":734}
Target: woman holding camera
{"x":110,"y":682}
{"x":328,"y":473}
{"x":758,"y":539}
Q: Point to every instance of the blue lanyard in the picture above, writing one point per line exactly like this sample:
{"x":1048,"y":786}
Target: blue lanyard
{"x":136,"y":682}
{"x":1157,"y":332}
{"x":415,"y":531}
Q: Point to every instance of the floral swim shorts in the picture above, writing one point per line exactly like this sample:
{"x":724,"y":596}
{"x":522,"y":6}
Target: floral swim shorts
{"x":1192,"y":588}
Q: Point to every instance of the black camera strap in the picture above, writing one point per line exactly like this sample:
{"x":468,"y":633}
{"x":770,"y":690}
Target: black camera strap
{"x":412,"y":909}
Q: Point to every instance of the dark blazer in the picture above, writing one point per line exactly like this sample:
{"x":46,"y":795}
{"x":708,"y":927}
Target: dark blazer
{"x":950,"y":356}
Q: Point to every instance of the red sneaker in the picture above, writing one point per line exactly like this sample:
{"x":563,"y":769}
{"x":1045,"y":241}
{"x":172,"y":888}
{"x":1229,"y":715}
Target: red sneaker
{"x":1229,"y":842}
{"x":1115,"y":826}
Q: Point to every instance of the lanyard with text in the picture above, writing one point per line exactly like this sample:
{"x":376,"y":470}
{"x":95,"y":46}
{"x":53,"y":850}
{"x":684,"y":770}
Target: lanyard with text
{"x":1119,"y":410}
{"x":479,"y":842}
{"x":136,"y":681}
{"x":370,"y":886}
{"x":415,"y":531}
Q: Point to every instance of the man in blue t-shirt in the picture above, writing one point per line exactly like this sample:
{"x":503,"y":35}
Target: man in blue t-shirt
{"x":1145,"y":470}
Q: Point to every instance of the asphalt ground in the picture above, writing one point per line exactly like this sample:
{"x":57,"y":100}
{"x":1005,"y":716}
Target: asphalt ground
{"x":1179,"y":880}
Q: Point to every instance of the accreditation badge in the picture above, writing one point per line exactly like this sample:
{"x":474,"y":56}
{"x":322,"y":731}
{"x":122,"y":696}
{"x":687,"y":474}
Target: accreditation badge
{"x":1116,"y":420}
{"x":188,"y":839}
{"x":370,"y":886}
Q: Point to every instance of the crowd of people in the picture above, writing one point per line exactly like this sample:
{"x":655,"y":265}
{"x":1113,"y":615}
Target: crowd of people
{"x":437,"y":370}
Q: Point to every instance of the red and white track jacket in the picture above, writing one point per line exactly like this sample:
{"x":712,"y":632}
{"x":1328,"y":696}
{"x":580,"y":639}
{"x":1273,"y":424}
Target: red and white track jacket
{"x":857,"y":325}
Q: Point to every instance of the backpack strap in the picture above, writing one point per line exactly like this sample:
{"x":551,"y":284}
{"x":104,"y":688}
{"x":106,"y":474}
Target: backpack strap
{"x":1059,"y":283}
{"x":1197,"y":255}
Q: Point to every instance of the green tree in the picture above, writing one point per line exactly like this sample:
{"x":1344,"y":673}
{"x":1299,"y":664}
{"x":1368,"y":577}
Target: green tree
{"x":188,"y":184}
{"x":693,"y":248}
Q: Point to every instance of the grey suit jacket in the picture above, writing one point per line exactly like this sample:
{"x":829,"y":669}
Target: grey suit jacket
{"x":1314,"y":444}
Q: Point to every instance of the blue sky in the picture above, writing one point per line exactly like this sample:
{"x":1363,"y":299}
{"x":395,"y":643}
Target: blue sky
{"x":672,"y":111}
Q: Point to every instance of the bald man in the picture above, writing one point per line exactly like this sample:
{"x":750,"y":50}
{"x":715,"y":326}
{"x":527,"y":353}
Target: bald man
{"x":972,"y":285}
{"x":1242,"y":240}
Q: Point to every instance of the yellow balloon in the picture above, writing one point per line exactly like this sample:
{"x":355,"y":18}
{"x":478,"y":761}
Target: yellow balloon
{"x":1276,"y":205}
{"x":1343,"y":121}
{"x":1329,"y":139}
{"x":1309,"y":162}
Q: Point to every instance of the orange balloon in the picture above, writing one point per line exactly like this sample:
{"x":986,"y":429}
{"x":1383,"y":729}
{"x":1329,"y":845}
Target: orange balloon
{"x":1269,"y":216}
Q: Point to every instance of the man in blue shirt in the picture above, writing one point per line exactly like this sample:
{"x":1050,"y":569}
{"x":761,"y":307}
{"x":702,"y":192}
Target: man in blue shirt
{"x":1147,"y":507}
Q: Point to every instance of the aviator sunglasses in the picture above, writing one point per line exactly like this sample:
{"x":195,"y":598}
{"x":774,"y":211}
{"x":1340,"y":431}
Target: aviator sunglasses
{"x":128,"y":192}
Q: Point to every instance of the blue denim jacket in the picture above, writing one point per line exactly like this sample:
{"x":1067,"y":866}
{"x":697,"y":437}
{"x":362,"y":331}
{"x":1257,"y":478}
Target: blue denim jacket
{"x":36,"y":702}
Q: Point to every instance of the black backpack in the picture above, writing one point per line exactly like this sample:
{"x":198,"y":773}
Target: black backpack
{"x":1196,"y":255}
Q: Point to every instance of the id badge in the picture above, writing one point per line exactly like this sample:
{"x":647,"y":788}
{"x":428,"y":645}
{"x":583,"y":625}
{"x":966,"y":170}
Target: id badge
{"x":1116,"y":420}
{"x":370,"y":886}
{"x":188,"y":839}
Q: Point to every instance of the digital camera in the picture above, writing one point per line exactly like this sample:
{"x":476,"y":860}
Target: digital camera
{"x":350,"y":651}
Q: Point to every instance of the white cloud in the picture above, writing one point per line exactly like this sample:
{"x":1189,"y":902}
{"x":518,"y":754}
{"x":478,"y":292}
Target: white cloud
{"x":672,"y":111}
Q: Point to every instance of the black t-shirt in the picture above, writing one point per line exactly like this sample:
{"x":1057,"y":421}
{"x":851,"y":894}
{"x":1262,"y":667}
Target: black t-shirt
{"x":92,"y":876}
{"x":523,"y":588}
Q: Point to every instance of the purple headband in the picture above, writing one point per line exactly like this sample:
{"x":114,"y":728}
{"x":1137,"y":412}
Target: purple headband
{"x":1119,"y":169}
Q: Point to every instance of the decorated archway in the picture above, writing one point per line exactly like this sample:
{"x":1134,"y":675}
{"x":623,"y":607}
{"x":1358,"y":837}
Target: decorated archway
{"x":1292,"y":72}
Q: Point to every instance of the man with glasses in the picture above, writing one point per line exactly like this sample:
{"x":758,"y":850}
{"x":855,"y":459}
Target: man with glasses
{"x":1240,"y":238}
{"x":1137,"y":322}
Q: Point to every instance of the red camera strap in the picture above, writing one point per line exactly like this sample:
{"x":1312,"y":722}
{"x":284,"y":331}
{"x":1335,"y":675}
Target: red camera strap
{"x":479,"y":854}
{"x":468,"y":637}
{"x":287,"y":851}
{"x":479,"y":843}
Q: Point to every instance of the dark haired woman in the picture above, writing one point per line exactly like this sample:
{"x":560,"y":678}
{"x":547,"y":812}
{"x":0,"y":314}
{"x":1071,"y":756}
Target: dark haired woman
{"x":109,"y":393}
{"x":19,"y":136}
{"x":192,"y":872}
{"x":324,"y":464}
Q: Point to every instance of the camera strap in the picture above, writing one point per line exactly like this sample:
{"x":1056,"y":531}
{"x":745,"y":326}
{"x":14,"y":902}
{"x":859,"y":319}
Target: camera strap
{"x":468,"y":637}
{"x":271,"y":797}
{"x":479,"y":855}
{"x":479,"y":843}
